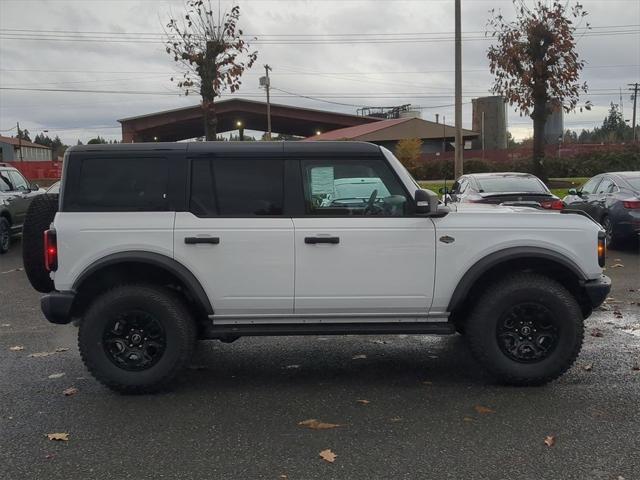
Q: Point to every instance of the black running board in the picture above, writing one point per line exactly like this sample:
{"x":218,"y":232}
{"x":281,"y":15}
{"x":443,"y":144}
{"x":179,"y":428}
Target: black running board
{"x":225,"y":331}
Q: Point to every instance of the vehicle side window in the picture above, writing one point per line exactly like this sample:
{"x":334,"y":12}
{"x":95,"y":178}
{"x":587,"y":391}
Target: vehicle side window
{"x":18,"y":181}
{"x":5,"y":183}
{"x":352,"y":188}
{"x":464,"y":184}
{"x":126,"y":184}
{"x":606,"y":186}
{"x":590,"y":186}
{"x":237,"y":187}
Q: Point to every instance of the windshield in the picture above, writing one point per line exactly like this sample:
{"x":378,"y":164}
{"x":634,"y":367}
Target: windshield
{"x":511,"y":184}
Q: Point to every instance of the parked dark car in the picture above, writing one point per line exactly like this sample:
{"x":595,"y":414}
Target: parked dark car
{"x":613,"y":200}
{"x":503,"y":188}
{"x":16,"y":193}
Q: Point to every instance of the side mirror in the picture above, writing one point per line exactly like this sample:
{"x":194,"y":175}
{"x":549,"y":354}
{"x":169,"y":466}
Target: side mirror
{"x":34,"y":187}
{"x":573,"y":191}
{"x":426,"y":202}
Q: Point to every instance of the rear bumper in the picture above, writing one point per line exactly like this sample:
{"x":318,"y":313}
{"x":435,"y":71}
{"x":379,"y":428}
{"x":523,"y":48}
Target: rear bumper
{"x":597,"y":290}
{"x":56,"y":306}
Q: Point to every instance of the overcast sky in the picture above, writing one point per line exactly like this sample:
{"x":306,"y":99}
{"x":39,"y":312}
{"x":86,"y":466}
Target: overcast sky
{"x":121,"y":54}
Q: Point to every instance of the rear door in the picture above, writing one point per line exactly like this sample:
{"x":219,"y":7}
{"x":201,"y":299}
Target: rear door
{"x":360,"y":252}
{"x":235,"y":236}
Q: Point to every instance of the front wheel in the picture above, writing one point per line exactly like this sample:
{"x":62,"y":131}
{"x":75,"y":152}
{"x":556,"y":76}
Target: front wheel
{"x":136,"y":338}
{"x":5,"y":235}
{"x":526,"y":330}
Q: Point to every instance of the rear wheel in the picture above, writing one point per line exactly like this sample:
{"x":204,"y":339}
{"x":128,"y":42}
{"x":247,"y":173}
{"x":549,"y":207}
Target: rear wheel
{"x":5,"y":235}
{"x":40,"y":214}
{"x":526,"y":330}
{"x":137,"y":338}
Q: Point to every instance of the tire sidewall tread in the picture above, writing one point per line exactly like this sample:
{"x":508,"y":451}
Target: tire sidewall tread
{"x":167,"y":308}
{"x":481,"y":329}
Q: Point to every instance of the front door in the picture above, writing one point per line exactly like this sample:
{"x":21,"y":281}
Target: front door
{"x":358,"y":249}
{"x":235,"y":239}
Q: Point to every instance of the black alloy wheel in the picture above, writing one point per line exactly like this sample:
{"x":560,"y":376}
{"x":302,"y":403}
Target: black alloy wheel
{"x":527,"y":332}
{"x":134,"y":340}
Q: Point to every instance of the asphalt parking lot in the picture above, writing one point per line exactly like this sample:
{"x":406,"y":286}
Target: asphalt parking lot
{"x":407,"y":406}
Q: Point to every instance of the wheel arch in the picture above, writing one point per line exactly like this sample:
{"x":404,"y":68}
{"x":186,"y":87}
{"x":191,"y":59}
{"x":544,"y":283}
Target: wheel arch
{"x":536,"y":259}
{"x":6,"y":214}
{"x":140,"y":266}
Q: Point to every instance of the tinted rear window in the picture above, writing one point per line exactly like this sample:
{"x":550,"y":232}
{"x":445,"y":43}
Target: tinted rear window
{"x":511,"y":184}
{"x":237,"y":187}
{"x":126,"y":184}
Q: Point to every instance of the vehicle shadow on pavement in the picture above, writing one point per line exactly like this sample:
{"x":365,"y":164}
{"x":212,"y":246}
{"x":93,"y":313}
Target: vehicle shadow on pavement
{"x":352,"y":360}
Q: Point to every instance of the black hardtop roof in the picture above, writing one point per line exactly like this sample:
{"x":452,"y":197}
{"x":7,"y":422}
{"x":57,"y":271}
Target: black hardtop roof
{"x":321,"y":147}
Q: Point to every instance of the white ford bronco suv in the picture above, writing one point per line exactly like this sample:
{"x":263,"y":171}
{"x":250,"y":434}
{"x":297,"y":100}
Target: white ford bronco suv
{"x":151,"y":247}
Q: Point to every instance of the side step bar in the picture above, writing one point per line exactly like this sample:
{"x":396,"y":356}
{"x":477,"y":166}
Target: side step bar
{"x":225,"y":331}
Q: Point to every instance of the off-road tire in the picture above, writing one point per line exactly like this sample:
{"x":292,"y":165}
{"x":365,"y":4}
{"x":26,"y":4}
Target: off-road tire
{"x":516,"y":289}
{"x":5,"y":235}
{"x":39,"y":217}
{"x":168,"y":310}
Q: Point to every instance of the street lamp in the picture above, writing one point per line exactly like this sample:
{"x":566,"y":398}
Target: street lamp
{"x":240,"y":130}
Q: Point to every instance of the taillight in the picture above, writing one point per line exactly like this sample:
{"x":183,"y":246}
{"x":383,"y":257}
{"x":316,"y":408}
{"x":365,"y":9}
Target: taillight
{"x":632,"y":203}
{"x":552,"y":204}
{"x":50,"y":251}
{"x":602,"y":248}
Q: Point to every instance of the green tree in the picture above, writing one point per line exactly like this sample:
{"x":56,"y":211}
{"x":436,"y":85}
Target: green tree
{"x":211,"y":53}
{"x":97,"y":140}
{"x":536,"y":65}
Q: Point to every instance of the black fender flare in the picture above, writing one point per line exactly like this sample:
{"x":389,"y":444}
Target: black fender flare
{"x":158,"y":260}
{"x":513,"y":253}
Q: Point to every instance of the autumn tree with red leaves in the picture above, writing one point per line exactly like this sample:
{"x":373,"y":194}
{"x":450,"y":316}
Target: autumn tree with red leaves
{"x":535,"y":64}
{"x":211,"y":52}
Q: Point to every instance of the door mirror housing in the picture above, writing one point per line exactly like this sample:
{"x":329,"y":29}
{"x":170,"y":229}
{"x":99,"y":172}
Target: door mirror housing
{"x":427,"y":204}
{"x":34,"y":187}
{"x":572,"y":191}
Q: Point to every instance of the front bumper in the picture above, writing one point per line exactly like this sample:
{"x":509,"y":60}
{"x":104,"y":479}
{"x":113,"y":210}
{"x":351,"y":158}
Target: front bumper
{"x":56,"y":306}
{"x":597,"y":290}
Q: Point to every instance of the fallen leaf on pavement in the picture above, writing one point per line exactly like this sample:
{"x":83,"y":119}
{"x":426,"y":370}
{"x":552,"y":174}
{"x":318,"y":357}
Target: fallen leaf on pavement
{"x":483,"y":410}
{"x":17,"y":348}
{"x":550,"y":440}
{"x":468,"y":419}
{"x":358,"y":357}
{"x":328,"y":456}
{"x":60,"y":437}
{"x":636,"y":366}
{"x":49,"y":456}
{"x":588,"y":367}
{"x":363,"y":402}
{"x":56,"y":375}
{"x":314,"y":424}
{"x":396,"y":419}
{"x":617,"y":259}
{"x":67,"y":392}
{"x":46,"y":354}
{"x":289,"y":367}
{"x":617,"y":265}
{"x":6,"y":325}
{"x":596,"y":332}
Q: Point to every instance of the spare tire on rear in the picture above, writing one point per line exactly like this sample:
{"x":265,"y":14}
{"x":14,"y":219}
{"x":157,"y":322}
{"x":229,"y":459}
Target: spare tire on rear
{"x":39,"y":217}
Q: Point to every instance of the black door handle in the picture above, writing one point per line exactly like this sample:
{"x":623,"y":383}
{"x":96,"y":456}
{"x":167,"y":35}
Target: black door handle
{"x":194,"y":240}
{"x":314,"y":240}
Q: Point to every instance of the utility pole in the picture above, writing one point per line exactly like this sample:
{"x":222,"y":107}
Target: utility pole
{"x":19,"y":140}
{"x":444,"y":134}
{"x":267,"y":86}
{"x":458,"y":166}
{"x":634,"y":88}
